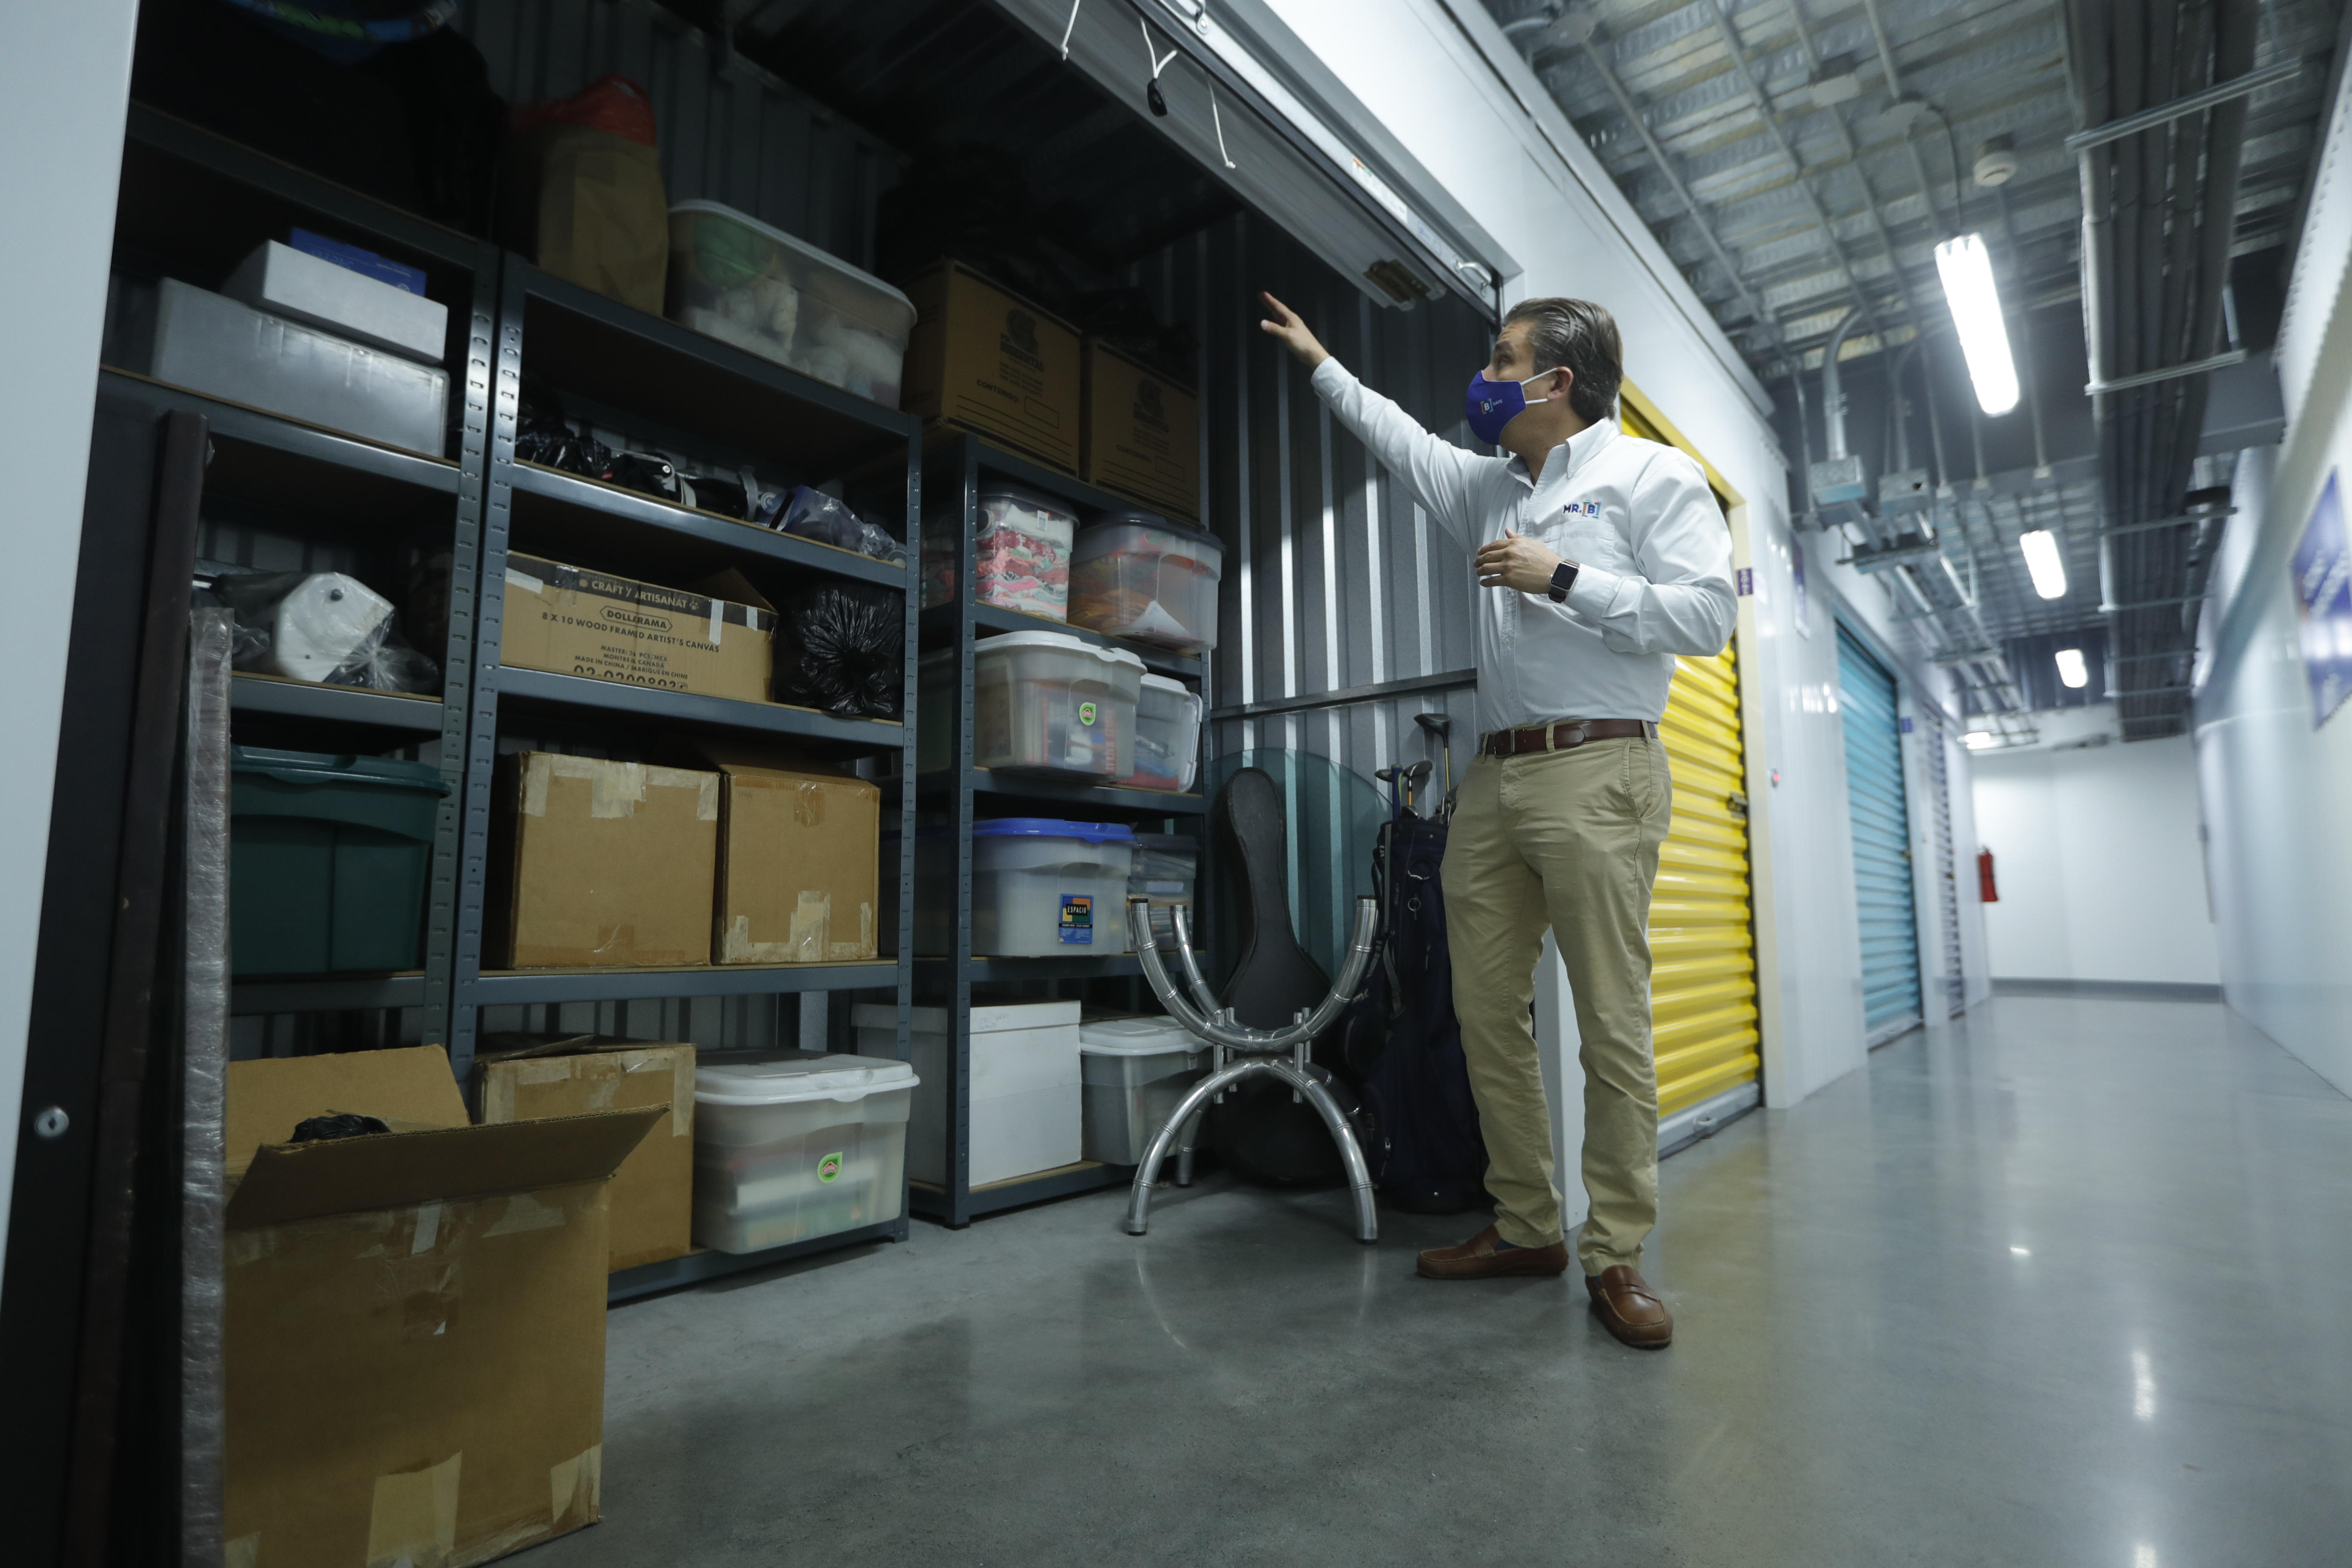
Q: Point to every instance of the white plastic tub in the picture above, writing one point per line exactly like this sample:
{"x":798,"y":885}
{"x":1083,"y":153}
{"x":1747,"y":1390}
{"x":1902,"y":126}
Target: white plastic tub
{"x":1167,"y":735}
{"x":1024,"y":1094}
{"x":1167,"y":869}
{"x":734,"y":278}
{"x":1137,"y":575}
{"x":1042,"y":887}
{"x":212,"y":344}
{"x":1049,"y":701}
{"x":798,"y":1145}
{"x":1022,"y":544}
{"x":1135,"y":1072}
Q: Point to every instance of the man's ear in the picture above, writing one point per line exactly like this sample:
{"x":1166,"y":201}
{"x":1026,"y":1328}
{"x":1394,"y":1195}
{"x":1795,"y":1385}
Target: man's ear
{"x":1565,"y":384}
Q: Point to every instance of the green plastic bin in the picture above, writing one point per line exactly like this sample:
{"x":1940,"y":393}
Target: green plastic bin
{"x":327,"y":861}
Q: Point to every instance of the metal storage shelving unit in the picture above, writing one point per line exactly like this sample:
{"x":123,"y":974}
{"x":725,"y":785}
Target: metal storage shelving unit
{"x":956,"y":468}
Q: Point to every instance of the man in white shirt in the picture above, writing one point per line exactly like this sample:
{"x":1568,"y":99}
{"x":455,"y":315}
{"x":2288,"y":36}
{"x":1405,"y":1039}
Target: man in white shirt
{"x":1600,"y":556}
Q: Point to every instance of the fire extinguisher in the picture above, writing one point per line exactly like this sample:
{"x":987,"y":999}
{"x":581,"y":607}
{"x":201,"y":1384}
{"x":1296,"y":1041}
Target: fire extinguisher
{"x":1986,"y":891}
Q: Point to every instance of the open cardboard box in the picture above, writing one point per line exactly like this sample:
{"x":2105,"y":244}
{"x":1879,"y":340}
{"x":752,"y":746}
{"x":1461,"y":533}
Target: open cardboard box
{"x":413,"y":1345}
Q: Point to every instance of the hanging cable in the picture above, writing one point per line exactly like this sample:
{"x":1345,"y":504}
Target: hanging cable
{"x":1219,"y":121}
{"x":1070,"y":26}
{"x":1158,"y":62}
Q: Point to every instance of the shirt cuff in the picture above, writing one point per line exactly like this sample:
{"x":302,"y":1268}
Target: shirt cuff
{"x":1593,"y":592}
{"x":1329,"y":377}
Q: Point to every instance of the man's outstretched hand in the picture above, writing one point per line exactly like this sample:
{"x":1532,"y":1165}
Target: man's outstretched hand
{"x":1283,"y":323}
{"x":1517,"y":563}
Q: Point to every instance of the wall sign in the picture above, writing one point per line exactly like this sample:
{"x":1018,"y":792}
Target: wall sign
{"x":2323,"y":592}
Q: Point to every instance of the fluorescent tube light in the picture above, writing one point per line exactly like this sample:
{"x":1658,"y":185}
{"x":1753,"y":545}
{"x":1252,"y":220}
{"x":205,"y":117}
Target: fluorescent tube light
{"x":1966,"y":267}
{"x":2040,"y":548}
{"x":2071,"y":670}
{"x":1978,"y":740}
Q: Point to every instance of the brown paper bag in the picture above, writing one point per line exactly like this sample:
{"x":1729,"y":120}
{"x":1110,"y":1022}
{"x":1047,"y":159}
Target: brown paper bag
{"x":589,"y":207}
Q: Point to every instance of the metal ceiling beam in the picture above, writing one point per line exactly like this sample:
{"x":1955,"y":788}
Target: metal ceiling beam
{"x":2179,"y":107}
{"x":2164,"y":373}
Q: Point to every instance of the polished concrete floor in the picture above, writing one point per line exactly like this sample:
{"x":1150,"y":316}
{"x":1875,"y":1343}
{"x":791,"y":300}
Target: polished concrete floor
{"x":2067,"y":1283}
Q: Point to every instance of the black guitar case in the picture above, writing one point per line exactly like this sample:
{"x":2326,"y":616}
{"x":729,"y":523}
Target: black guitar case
{"x":1259,"y":1132}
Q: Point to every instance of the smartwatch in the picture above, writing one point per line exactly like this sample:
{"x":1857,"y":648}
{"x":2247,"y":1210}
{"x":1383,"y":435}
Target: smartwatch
{"x":1563,"y":578}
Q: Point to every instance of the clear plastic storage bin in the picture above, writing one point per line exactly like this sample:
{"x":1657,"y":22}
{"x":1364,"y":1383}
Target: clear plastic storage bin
{"x":1135,"y":1072}
{"x":797,"y":1145}
{"x":1167,"y":735}
{"x":1167,"y":871}
{"x":1040,"y":700}
{"x":1022,"y":1090}
{"x":1042,"y":887}
{"x":1137,"y":575}
{"x":734,"y":278}
{"x":1022,"y":544}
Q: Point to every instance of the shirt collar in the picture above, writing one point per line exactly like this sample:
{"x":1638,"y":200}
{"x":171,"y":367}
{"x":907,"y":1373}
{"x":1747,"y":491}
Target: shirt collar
{"x":1571,"y":453}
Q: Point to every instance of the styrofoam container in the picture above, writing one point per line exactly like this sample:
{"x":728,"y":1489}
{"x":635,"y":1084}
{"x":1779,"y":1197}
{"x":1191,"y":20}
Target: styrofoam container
{"x":1167,"y":735}
{"x":1137,"y":575}
{"x":1042,"y":887}
{"x":210,"y":344}
{"x":799,"y":1144}
{"x":1167,"y":871}
{"x":1135,"y":1072}
{"x":305,"y":288}
{"x":1024,"y":1087}
{"x":734,"y":278}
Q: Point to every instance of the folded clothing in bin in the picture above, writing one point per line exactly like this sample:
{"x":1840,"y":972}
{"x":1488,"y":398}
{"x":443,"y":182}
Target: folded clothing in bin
{"x":328,"y":857}
{"x":1021,"y":548}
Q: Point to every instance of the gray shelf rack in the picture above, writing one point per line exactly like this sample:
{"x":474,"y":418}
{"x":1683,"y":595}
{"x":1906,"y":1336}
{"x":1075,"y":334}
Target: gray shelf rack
{"x":957,"y":467}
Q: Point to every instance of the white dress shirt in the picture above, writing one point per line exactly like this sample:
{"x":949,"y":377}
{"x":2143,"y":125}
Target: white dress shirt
{"x":1652,"y":553}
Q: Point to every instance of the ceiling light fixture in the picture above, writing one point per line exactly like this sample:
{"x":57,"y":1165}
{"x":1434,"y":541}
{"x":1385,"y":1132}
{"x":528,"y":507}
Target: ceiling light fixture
{"x":2040,"y":548}
{"x":2071,"y":672}
{"x":1978,"y":740}
{"x":1966,"y":267}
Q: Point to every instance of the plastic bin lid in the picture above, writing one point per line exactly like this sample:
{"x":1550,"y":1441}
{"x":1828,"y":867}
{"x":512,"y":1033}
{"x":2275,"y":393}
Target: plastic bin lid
{"x":1062,"y":640}
{"x":1035,"y":500}
{"x":1167,"y":683}
{"x":1176,"y":843}
{"x":1136,"y":1037}
{"x":1053,"y":827}
{"x":793,"y":242}
{"x":316,"y":768}
{"x":1099,"y":527}
{"x":794,"y":1076}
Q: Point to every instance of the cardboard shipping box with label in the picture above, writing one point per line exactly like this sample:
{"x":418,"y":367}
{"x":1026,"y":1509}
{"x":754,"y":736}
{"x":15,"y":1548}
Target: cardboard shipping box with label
{"x":650,"y":1202}
{"x":601,"y":863}
{"x":799,"y":858}
{"x":989,"y":361}
{"x":412,"y":1334}
{"x":718,"y":640}
{"x":1143,"y":432}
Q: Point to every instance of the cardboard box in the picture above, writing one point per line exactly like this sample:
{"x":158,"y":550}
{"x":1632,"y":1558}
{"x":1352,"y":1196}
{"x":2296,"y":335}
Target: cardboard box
{"x":992,"y":363}
{"x":1142,"y":438}
{"x":588,"y":206}
{"x":799,"y":858}
{"x":650,"y":1202}
{"x":413,"y":1327}
{"x":718,"y":641}
{"x":602,"y":863}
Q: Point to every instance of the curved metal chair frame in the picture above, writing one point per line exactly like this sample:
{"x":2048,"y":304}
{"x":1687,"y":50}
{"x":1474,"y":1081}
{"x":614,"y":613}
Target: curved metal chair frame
{"x":1241,"y":1051}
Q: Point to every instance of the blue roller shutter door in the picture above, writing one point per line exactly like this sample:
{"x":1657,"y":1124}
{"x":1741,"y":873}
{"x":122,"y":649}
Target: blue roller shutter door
{"x":1881,"y":842}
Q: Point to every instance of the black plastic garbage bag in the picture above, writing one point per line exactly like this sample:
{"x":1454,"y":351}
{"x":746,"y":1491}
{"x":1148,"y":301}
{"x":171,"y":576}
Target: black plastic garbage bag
{"x":842,"y":647}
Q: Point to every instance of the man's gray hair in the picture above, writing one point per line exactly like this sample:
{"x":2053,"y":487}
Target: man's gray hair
{"x":1581,"y":336}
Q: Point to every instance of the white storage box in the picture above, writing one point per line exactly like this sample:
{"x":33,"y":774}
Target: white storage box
{"x":734,"y":278}
{"x":797,"y":1145}
{"x":210,"y":344}
{"x":1167,"y":869}
{"x":1167,"y":735}
{"x":1137,"y":575}
{"x":304,"y":288}
{"x":1040,"y":700}
{"x":1024,"y":1094}
{"x":1021,"y":554}
{"x":1135,"y":1072}
{"x":1042,"y":887}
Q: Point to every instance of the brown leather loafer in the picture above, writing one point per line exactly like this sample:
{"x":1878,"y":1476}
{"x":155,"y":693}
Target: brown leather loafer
{"x":1478,"y":1258}
{"x":1629,"y":1309}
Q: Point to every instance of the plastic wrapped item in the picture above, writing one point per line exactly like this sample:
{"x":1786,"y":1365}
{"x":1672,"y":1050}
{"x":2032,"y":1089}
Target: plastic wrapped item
{"x":840,"y":647}
{"x":1022,"y":547}
{"x":323,"y":626}
{"x":813,"y":514}
{"x":1167,"y":735}
{"x":1135,"y":574}
{"x":734,"y":278}
{"x":343,"y":1124}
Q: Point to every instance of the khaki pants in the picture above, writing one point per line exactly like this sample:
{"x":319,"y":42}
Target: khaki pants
{"x":1569,"y":840}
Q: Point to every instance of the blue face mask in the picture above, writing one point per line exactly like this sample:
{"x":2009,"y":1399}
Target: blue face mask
{"x":1491,"y":405}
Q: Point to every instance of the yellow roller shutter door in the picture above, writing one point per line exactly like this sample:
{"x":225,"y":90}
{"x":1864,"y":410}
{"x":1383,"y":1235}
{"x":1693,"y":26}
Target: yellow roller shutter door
{"x":1703,"y":985}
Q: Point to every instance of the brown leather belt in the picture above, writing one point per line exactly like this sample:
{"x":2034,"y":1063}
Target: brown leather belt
{"x":1565,"y":736}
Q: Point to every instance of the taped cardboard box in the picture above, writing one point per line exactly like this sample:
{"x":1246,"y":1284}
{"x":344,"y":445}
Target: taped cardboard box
{"x":716,"y":639}
{"x":798,"y":857}
{"x":1142,"y":438}
{"x":414,"y":1330}
{"x":598,"y":863}
{"x":991,"y":362}
{"x":650,"y":1202}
